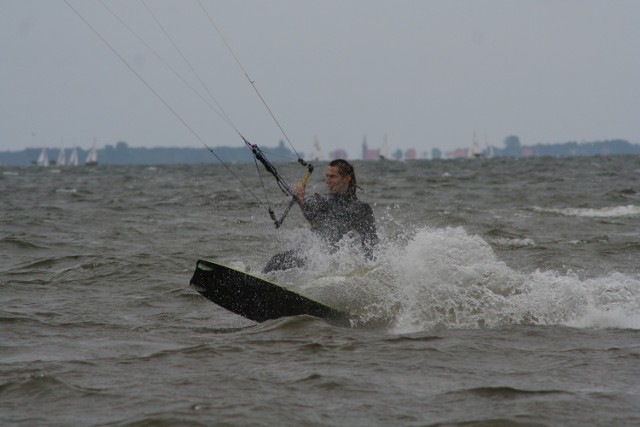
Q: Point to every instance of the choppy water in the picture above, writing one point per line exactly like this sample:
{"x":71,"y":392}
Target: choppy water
{"x":506,"y":292}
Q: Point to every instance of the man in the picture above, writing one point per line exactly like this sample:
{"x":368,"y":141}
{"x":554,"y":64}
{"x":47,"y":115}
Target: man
{"x":333,"y":216}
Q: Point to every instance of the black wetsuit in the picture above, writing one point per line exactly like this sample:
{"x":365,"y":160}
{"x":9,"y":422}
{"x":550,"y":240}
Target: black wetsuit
{"x":332,"y":217}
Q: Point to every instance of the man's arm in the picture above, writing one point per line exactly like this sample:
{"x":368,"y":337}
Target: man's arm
{"x":309,"y":207}
{"x":367,"y":229}
{"x":300,"y":193}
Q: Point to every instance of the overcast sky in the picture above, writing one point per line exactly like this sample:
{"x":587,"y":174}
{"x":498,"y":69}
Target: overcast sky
{"x":425,"y":73}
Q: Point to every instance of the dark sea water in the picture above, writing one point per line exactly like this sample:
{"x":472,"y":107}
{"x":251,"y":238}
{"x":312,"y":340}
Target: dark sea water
{"x":505,"y":292}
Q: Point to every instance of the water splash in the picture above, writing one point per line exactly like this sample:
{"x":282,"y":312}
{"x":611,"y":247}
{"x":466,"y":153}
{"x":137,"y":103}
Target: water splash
{"x":449,"y":278}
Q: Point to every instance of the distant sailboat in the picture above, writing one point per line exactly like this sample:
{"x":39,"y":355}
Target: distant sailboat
{"x":92,"y":158}
{"x":62,"y":158}
{"x":475,"y":151}
{"x":383,"y":154}
{"x":317,"y":150}
{"x":73,"y":159}
{"x":489,"y":148}
{"x":43,"y":159}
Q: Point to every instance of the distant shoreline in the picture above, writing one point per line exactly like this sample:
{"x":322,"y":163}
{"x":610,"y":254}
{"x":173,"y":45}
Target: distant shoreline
{"x":122,"y":154}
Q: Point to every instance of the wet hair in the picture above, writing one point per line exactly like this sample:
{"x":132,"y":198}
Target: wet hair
{"x":345,"y":169}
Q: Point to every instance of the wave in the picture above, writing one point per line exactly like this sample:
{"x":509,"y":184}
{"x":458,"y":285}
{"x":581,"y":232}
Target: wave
{"x":17,"y":243}
{"x":43,"y":386}
{"x":505,"y":393}
{"x":606,"y":212}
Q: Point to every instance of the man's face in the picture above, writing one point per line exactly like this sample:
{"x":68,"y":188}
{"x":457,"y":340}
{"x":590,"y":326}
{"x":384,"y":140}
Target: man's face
{"x":337,"y":183}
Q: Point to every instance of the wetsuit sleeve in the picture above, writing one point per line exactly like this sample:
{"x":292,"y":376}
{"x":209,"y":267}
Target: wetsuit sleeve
{"x":311,"y":208}
{"x":366,"y":227}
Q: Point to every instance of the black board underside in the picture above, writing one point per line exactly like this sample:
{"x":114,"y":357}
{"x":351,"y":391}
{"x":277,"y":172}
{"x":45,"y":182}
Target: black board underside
{"x":255,"y":298}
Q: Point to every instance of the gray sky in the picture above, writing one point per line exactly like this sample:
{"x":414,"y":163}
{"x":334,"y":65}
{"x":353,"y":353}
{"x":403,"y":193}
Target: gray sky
{"x":426,"y":73}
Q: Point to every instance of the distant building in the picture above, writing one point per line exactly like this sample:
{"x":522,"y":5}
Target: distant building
{"x":369,"y":154}
{"x":460,"y":153}
{"x":411,"y":154}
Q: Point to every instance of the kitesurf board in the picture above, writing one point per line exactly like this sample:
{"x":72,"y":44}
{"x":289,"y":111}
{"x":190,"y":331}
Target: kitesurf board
{"x":256,"y":298}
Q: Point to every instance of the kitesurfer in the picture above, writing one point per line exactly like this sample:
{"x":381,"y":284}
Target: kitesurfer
{"x":332,"y":216}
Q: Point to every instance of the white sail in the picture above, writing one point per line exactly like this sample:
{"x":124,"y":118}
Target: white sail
{"x":43,"y":159}
{"x":384,"y":150}
{"x":475,"y":151}
{"x":317,"y":150}
{"x":62,"y":158}
{"x":73,"y":159}
{"x":489,"y":148}
{"x":92,"y":158}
